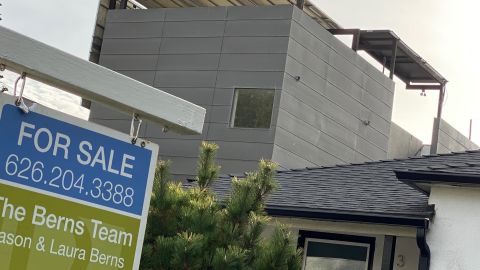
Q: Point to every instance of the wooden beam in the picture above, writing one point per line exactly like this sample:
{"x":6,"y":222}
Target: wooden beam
{"x":93,"y":82}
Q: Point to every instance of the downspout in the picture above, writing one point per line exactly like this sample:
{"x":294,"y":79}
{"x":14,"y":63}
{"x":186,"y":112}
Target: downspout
{"x":424,"y":261}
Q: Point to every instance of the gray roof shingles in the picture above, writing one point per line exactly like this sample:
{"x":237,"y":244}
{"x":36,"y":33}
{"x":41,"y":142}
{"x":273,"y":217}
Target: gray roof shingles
{"x":367,"y":188}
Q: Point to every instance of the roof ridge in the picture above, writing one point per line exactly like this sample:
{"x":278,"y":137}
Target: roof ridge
{"x":369,"y":162}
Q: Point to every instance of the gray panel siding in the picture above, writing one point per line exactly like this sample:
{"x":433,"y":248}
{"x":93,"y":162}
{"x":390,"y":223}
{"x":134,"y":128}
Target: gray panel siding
{"x":133,"y":30}
{"x":247,"y":28}
{"x":451,"y":140}
{"x":253,"y":62}
{"x":154,"y":131}
{"x":318,"y":139}
{"x":223,"y":96}
{"x":287,"y":159}
{"x":259,"y":13}
{"x":202,"y":55}
{"x":221,"y":132}
{"x":220,"y":114}
{"x":350,"y":64}
{"x":194,"y":29}
{"x":244,"y":151}
{"x":198,"y":95}
{"x":235,"y":166}
{"x":130,"y":46}
{"x":188,"y":61}
{"x":402,"y":144}
{"x":326,"y":79}
{"x":306,"y":24}
{"x":182,"y":78}
{"x":323,"y":114}
{"x":182,"y":168}
{"x":329,"y":101}
{"x":332,"y":135}
{"x":250,"y":79}
{"x":137,"y":15}
{"x":190,"y":45}
{"x":228,"y":150}
{"x":288,"y":141}
{"x":129,"y":62}
{"x":195,"y":14}
{"x":255,"y":44}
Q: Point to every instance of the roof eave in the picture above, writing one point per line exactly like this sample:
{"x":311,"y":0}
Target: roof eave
{"x":397,"y":220}
{"x":423,"y":180}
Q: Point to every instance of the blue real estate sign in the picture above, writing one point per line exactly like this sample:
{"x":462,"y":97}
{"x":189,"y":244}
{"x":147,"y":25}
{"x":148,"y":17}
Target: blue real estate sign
{"x":72,"y":193}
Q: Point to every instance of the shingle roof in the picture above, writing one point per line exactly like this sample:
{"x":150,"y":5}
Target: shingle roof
{"x":470,"y":168}
{"x":369,"y":188}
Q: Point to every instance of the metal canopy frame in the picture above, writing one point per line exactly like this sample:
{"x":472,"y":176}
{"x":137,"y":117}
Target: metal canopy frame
{"x":388,"y":49}
{"x":91,"y":81}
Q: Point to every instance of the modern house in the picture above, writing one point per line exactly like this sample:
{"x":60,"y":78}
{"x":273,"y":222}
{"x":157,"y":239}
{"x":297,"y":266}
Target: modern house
{"x":278,"y":84}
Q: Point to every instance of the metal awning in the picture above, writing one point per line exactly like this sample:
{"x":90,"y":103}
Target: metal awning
{"x":388,"y":49}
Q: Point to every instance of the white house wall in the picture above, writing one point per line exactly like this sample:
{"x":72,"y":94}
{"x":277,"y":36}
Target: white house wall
{"x":454,"y":235}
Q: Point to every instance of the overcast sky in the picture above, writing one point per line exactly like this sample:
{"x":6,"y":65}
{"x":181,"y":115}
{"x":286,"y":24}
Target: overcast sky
{"x":441,"y":31}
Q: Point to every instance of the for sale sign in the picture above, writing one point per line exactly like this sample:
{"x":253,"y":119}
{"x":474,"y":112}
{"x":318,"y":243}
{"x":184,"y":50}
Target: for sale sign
{"x":73,"y":195}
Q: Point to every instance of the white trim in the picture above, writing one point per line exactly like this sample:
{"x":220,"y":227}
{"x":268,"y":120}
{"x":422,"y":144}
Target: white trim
{"x":93,"y":82}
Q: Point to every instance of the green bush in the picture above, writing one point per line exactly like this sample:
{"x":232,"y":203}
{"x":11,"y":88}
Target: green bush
{"x":188,"y":228}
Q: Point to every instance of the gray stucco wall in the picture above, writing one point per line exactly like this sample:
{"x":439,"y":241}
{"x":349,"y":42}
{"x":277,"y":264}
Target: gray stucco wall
{"x":203,"y":54}
{"x":451,"y":140}
{"x":402,"y":144}
{"x":321,"y":117}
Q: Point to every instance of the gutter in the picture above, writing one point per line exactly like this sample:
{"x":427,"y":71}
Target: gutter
{"x":424,"y":260}
{"x":352,"y":217}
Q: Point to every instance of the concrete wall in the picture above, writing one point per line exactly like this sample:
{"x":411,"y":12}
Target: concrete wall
{"x":203,"y":54}
{"x":322,"y":115}
{"x":451,"y":140}
{"x":402,"y":144}
{"x":406,"y":250}
{"x":453,"y":236}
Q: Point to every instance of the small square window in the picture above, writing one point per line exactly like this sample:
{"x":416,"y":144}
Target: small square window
{"x":252,"y":108}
